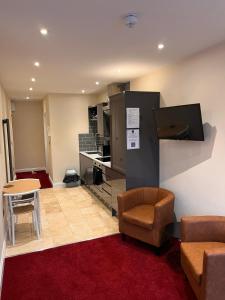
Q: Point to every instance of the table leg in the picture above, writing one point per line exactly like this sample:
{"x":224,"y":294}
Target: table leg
{"x":38,"y":212}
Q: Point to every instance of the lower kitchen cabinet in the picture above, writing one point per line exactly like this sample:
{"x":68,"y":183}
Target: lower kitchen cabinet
{"x":85,"y":164}
{"x":117,"y":181}
{"x":112,"y":184}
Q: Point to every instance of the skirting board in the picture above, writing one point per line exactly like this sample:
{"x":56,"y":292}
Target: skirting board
{"x":2,"y":263}
{"x":30,"y":169}
{"x":50,"y":178}
{"x":58,"y":184}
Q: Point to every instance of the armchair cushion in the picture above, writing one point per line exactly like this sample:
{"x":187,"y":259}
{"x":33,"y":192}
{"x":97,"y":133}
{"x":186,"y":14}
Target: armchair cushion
{"x":141,"y":215}
{"x":193,"y":254}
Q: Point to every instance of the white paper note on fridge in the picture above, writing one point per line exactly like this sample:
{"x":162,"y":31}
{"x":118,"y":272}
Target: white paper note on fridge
{"x":133,"y":117}
{"x":133,"y":139}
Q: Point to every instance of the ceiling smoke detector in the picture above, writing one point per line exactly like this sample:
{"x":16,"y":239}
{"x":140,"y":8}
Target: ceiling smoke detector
{"x":130,"y":20}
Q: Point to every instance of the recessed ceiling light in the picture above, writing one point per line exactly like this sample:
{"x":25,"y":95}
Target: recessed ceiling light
{"x":43,"y":31}
{"x":33,"y":79}
{"x":118,"y":70}
{"x":83,"y":91}
{"x":97,"y":82}
{"x":37,"y":64}
{"x":160,"y":46}
{"x":30,"y":89}
{"x":27,"y":98}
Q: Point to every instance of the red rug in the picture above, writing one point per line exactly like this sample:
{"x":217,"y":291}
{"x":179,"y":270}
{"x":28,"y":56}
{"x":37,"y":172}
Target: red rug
{"x":41,"y":175}
{"x":105,"y":268}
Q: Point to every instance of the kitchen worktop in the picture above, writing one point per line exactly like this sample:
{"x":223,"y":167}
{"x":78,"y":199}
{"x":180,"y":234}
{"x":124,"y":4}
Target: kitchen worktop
{"x":94,"y":156}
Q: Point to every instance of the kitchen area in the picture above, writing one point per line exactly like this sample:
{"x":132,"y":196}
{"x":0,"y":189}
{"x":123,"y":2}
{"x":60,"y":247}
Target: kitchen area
{"x":96,"y":167}
{"x":108,"y":166}
{"x":111,"y":161}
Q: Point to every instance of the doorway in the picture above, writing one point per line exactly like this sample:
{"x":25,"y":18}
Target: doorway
{"x":7,"y":149}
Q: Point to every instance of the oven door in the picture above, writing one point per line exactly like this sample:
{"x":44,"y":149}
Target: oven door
{"x":97,"y":179}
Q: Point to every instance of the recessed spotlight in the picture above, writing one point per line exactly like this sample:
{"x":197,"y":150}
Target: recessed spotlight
{"x":30,"y":89}
{"x":27,"y":98}
{"x":83,"y":91}
{"x":118,"y":70}
{"x":33,"y":79}
{"x":37,"y":64}
{"x":160,"y":46}
{"x":43,"y":31}
{"x":97,"y":82}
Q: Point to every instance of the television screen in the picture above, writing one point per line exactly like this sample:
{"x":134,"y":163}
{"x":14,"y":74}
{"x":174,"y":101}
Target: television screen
{"x":182,"y":122}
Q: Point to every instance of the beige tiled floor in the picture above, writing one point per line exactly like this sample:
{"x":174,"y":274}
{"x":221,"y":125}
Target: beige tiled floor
{"x":68,"y":216}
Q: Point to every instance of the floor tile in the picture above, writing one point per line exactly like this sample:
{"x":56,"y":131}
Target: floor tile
{"x":68,"y":216}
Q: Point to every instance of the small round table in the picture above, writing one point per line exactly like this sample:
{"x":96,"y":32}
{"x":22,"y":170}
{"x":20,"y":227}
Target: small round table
{"x":21,"y":186}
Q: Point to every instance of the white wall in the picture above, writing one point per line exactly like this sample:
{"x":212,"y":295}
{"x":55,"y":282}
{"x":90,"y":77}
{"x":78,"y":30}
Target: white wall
{"x":194,"y":171}
{"x":68,"y":116}
{"x":47,"y":136}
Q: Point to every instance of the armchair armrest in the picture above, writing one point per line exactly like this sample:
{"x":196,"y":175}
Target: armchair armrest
{"x":203,"y":229}
{"x":213,"y":278}
{"x":164,"y":211}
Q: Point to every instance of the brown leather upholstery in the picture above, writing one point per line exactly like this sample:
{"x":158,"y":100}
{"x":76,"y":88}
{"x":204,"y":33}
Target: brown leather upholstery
{"x":194,"y":253}
{"x":203,"y":255}
{"x":144,"y":213}
{"x":141,"y":215}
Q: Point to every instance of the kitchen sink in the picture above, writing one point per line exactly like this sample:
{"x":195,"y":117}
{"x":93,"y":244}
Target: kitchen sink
{"x":92,"y":152}
{"x":104,"y":158}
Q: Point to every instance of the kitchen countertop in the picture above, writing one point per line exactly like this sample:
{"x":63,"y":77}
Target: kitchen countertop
{"x":94,"y":156}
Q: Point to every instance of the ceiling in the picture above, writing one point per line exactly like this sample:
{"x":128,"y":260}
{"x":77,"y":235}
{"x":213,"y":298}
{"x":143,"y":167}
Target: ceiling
{"x":88,"y":42}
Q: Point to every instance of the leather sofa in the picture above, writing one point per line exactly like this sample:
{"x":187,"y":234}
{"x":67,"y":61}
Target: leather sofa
{"x":203,"y":255}
{"x":144,"y":213}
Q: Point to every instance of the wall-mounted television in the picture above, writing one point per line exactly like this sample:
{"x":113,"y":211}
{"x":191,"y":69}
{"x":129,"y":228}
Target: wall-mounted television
{"x":182,"y":122}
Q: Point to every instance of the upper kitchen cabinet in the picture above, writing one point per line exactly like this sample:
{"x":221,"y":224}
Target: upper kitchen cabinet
{"x":100,"y":129}
{"x":141,"y":165}
{"x":118,"y":129}
{"x":92,"y":119}
{"x":103,"y":124}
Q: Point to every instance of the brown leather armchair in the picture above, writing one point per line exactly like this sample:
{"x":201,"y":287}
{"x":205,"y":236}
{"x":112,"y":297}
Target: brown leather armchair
{"x":144,"y":213}
{"x":203,"y":255}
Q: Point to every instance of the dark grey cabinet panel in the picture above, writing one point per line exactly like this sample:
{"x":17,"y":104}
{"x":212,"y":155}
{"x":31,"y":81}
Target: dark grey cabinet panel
{"x":140,"y":166}
{"x":117,"y":106}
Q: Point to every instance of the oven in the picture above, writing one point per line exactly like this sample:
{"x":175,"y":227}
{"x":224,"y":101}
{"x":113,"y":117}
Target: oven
{"x":101,"y":184}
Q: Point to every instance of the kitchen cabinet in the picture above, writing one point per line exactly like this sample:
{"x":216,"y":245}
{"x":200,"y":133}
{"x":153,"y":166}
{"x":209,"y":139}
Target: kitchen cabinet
{"x":103,"y":190}
{"x":140,"y":166}
{"x":85,"y":163}
{"x":118,"y":130}
{"x":103,"y":116}
{"x":112,"y":184}
{"x":117,"y":182}
{"x":100,"y":128}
